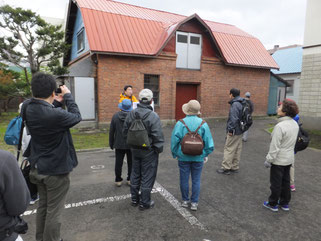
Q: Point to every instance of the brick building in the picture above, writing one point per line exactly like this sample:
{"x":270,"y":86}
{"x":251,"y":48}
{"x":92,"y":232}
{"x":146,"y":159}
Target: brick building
{"x":178,"y":57}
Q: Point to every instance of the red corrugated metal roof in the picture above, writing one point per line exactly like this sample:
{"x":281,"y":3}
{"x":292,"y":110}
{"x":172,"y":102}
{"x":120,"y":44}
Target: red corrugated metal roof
{"x":115,"y":27}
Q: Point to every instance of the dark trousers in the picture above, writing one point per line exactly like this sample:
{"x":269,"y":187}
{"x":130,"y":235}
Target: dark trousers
{"x":280,"y":185}
{"x":120,"y":154}
{"x":52,"y":196}
{"x":143,"y":176}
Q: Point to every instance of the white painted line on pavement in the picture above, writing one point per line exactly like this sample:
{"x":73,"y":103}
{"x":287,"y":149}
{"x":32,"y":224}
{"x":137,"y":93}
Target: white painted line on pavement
{"x":177,"y":205}
{"x":89,"y":202}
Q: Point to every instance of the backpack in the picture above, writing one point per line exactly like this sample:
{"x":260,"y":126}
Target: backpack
{"x":192,"y":143}
{"x":12,"y":134}
{"x":302,"y":141}
{"x":246,"y":117}
{"x":137,"y":136}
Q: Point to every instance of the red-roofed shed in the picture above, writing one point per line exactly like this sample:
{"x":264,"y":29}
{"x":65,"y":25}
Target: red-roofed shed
{"x":117,"y":44}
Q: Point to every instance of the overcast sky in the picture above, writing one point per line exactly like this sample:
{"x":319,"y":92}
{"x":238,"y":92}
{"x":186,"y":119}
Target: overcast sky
{"x":273,"y":22}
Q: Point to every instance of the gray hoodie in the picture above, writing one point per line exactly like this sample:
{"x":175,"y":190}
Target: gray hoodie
{"x":14,"y":193}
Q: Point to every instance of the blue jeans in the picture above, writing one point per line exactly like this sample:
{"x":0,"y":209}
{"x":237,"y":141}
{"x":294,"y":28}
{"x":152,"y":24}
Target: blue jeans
{"x":195,"y":169}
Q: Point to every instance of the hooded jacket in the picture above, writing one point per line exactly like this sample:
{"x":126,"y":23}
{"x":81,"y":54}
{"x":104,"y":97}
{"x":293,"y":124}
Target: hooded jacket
{"x":152,"y":124}
{"x":14,"y":193}
{"x":116,"y":138}
{"x":235,"y":115}
{"x":131,"y":98}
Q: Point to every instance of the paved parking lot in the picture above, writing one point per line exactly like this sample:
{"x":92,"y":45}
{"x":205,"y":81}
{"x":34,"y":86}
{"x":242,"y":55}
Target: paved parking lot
{"x":230,"y":207}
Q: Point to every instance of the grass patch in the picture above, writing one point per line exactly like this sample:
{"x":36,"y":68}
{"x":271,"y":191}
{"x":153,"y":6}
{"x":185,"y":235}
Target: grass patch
{"x":81,"y":139}
{"x":315,"y":139}
{"x":85,"y":140}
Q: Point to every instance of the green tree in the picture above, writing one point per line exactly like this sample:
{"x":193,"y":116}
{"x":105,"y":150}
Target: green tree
{"x":12,"y":84}
{"x":32,"y":41}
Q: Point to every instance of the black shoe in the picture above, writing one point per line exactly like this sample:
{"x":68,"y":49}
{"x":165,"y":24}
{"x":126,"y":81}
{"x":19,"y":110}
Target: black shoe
{"x":223,"y":171}
{"x":144,"y":207}
{"x":134,"y":203}
{"x":235,"y":171}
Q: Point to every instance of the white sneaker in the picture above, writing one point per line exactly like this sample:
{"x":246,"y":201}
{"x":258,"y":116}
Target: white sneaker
{"x":194,"y":206}
{"x":185,"y":204}
{"x":118,"y":184}
{"x":33,"y":201}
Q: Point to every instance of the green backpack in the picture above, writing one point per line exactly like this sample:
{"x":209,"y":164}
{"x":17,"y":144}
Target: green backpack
{"x":137,"y":136}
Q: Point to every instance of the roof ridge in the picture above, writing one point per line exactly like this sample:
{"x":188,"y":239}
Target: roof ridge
{"x":128,"y":16}
{"x":145,"y":8}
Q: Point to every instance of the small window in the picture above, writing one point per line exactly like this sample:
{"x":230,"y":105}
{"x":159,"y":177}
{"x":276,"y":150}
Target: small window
{"x":151,"y":82}
{"x":289,"y":90}
{"x":81,"y":40}
{"x":182,"y":38}
{"x":195,"y":40}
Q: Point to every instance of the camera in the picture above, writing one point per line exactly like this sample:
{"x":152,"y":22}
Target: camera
{"x":58,"y":90}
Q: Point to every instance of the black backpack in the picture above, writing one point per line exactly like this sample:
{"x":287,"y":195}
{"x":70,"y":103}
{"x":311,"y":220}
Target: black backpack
{"x":137,"y":136}
{"x":192,"y":143}
{"x":302,"y":141}
{"x":246,"y":116}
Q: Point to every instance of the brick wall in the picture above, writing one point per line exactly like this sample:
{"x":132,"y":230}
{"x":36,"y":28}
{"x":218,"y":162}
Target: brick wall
{"x":214,"y":79}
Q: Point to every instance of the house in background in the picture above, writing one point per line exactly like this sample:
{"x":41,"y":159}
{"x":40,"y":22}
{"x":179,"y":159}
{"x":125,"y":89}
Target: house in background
{"x":289,"y":60}
{"x":277,"y":93}
{"x":179,"y":58}
{"x":310,"y":91}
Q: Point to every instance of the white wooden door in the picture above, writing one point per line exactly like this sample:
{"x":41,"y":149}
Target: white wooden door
{"x":181,"y":49}
{"x":85,"y":96}
{"x":194,"y":51}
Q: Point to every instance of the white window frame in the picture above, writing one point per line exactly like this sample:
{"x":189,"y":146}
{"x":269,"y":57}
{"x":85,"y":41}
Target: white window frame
{"x":81,"y":31}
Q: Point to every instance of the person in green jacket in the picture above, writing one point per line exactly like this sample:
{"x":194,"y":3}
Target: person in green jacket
{"x":191,"y":165}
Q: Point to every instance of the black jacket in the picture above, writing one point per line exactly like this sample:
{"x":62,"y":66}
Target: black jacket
{"x":51,"y":143}
{"x":14,"y":193}
{"x":152,"y":124}
{"x":235,"y":115}
{"x":116,"y":137}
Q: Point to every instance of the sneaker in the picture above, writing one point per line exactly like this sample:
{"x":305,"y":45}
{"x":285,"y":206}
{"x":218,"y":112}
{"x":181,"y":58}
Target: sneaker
{"x":272,"y":208}
{"x":194,"y":206}
{"x":285,"y":207}
{"x":118,"y":184}
{"x":128,"y":183}
{"x":223,"y":171}
{"x":234,"y":171}
{"x":144,"y":207}
{"x":185,"y":204}
{"x":34,"y":200}
{"x":134,"y":203}
{"x":292,"y":187}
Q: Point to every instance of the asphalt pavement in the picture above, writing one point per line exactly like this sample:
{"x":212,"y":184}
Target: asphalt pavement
{"x":230,"y":207}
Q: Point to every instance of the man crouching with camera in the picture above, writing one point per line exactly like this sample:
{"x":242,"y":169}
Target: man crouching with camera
{"x":52,"y":153}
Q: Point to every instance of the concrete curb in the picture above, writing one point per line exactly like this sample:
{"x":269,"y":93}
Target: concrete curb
{"x":95,"y":150}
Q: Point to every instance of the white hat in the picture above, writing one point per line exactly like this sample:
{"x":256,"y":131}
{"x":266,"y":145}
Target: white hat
{"x":193,"y":107}
{"x":146,"y":94}
{"x":248,"y":94}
